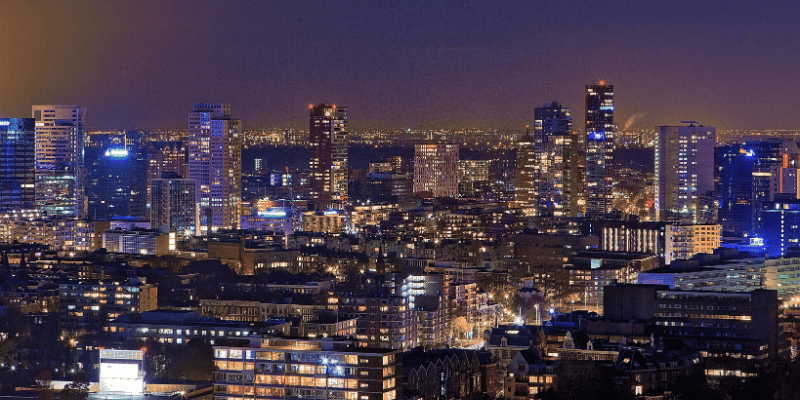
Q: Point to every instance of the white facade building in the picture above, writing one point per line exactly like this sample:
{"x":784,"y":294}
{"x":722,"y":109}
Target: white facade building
{"x":215,"y":165}
{"x":59,"y":170}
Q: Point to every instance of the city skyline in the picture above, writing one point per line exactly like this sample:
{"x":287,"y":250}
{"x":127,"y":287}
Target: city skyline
{"x":471,"y":212}
{"x":407,"y":65}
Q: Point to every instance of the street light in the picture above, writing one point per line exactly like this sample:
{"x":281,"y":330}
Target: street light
{"x":338,"y":369}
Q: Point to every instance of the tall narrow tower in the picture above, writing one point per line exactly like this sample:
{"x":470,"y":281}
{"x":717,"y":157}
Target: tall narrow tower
{"x":215,"y":164}
{"x":525,"y":188}
{"x":59,"y":160}
{"x":600,"y":133}
{"x":328,"y":138}
{"x":557,"y":178}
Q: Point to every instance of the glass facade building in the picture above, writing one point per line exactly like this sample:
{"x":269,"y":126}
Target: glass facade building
{"x":116,"y":179}
{"x":59,"y":146}
{"x":17,"y":163}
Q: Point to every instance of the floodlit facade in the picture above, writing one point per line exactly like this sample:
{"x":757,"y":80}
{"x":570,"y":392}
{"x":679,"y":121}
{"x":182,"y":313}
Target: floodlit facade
{"x":328,"y":162}
{"x":121,"y":371}
{"x":215,"y":165}
{"x":323,"y":221}
{"x":436,"y":169}
{"x":684,"y":241}
{"x":59,"y":159}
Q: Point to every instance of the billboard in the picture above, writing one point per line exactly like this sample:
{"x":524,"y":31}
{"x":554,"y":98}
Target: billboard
{"x":121,"y":371}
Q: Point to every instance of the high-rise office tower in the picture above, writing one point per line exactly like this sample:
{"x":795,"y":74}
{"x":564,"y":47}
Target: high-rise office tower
{"x":750,"y":174}
{"x":115,"y":176}
{"x":557,"y":175}
{"x":734,"y":167}
{"x":17,"y":163}
{"x":173,"y":206}
{"x":215,"y":165}
{"x":165,"y":157}
{"x":436,"y":169}
{"x":328,"y":163}
{"x":599,"y":145}
{"x":59,"y":160}
{"x":684,"y":174}
{"x":525,"y":194}
{"x":770,"y":155}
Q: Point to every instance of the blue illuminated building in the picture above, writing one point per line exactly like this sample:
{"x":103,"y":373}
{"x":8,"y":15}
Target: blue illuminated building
{"x":599,"y":147}
{"x":17,"y":163}
{"x":116,"y":176}
{"x":781,"y":226}
{"x":734,"y":188}
{"x":747,"y":176}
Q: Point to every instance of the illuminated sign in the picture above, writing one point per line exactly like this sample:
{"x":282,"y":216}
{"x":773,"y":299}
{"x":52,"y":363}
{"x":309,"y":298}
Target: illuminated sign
{"x":755,"y":241}
{"x":596,"y":263}
{"x":273,"y":213}
{"x":597,"y":135}
{"x":121,"y":371}
{"x":5,"y":123}
{"x":117,"y":153}
{"x":331,"y":212}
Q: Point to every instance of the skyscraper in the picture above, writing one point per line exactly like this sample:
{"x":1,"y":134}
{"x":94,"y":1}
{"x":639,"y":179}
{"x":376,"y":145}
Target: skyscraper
{"x":525,"y":193}
{"x":599,"y":145}
{"x":328,"y":161}
{"x":115,"y":176}
{"x":165,"y":157}
{"x":59,"y":160}
{"x":173,"y":206}
{"x":558,"y":181}
{"x":750,"y":174}
{"x":734,"y":167}
{"x":215,"y":165}
{"x":17,"y":163}
{"x":684,"y":174}
{"x":436,"y":169}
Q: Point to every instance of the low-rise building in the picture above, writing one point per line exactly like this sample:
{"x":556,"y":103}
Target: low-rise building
{"x":280,"y":368}
{"x":323,"y":221}
{"x":736,"y":333}
{"x":384,"y":321}
{"x":180,"y":326}
{"x":86,"y":305}
{"x":684,"y":241}
{"x":253,"y":310}
{"x":139,"y":241}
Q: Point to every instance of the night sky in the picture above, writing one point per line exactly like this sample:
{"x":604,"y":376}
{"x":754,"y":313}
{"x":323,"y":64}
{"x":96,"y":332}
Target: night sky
{"x":403,"y":64}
